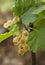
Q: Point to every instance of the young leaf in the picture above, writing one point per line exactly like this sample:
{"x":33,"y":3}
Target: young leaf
{"x":5,"y":36}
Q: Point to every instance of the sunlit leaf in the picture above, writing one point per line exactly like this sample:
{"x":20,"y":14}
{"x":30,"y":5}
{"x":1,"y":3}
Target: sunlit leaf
{"x":5,"y":36}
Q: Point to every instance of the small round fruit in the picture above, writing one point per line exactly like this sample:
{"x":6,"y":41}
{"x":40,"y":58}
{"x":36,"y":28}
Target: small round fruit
{"x":5,"y":25}
{"x":25,"y":33}
{"x":27,"y":48}
{"x":15,"y":40}
{"x":22,"y":41}
{"x":21,"y":52}
{"x":21,"y":46}
{"x":9,"y":21}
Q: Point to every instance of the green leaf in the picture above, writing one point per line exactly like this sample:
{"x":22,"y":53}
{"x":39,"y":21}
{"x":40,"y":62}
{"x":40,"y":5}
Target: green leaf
{"x":37,"y":37}
{"x":21,"y":6}
{"x":28,"y":18}
{"x":32,"y":14}
{"x":5,"y":35}
{"x":14,"y":29}
{"x":39,"y":9}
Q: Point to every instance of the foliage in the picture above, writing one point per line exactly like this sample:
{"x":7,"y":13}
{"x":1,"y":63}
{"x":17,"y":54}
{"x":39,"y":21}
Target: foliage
{"x":37,"y":37}
{"x":30,"y":11}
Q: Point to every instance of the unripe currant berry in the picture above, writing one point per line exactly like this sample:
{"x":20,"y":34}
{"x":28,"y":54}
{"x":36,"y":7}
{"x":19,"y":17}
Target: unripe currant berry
{"x":22,"y":41}
{"x":15,"y":40}
{"x":7,"y":24}
{"x":21,"y":46}
{"x":25,"y":33}
{"x":9,"y":21}
{"x":21,"y":52}
{"x":27,"y":48}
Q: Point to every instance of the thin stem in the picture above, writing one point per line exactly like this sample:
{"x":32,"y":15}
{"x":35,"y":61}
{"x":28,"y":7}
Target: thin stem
{"x":33,"y":58}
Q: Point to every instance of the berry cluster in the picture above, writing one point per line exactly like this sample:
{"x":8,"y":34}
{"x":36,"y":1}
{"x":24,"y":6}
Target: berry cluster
{"x":10,"y":22}
{"x":21,"y":41}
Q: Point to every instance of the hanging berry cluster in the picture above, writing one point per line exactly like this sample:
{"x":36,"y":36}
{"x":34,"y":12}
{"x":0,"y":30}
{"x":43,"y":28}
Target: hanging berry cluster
{"x":21,"y":41}
{"x":21,"y":38}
